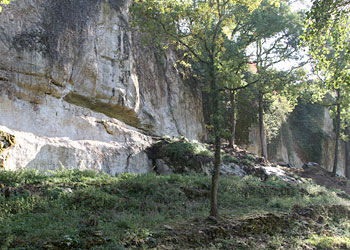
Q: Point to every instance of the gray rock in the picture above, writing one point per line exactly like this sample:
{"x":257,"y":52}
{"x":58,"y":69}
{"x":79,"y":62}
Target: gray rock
{"x":310,"y":164}
{"x":232,"y":169}
{"x":270,"y":171}
{"x":76,"y":87}
{"x":162,"y":168}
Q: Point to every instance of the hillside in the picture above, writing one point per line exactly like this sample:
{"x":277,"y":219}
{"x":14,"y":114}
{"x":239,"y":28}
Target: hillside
{"x":73,"y":209}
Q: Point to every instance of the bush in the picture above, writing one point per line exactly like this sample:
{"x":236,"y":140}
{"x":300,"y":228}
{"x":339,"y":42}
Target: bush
{"x":229,"y":159}
{"x":180,"y":149}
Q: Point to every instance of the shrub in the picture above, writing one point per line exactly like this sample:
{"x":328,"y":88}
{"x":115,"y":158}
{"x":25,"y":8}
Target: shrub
{"x":229,"y":159}
{"x":181,"y":149}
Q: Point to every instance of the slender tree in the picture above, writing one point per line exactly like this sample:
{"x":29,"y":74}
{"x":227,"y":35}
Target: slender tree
{"x":277,"y":31}
{"x":347,"y":151}
{"x":274,"y":29}
{"x":199,"y":30}
{"x":327,"y":35}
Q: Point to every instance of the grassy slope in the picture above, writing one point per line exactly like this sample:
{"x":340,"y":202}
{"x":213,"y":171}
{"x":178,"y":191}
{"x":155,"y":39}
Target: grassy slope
{"x":86,"y":210}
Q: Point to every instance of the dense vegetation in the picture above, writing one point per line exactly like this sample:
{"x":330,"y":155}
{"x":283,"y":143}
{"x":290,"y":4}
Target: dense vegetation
{"x":73,"y":209}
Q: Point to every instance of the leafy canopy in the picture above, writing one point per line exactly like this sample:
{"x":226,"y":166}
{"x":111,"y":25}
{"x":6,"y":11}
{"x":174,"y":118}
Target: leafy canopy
{"x":4,"y":2}
{"x":200,"y":29}
{"x":328,"y":36}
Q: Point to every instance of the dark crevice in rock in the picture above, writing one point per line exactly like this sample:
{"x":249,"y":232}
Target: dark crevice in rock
{"x":128,"y":162}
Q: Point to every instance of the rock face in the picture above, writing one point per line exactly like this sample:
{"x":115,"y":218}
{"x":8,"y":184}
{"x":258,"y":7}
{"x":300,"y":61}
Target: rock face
{"x":78,"y":88}
{"x":308,"y":136}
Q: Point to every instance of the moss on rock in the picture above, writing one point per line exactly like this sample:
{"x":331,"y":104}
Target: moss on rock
{"x":7,"y":141}
{"x":181,"y":154}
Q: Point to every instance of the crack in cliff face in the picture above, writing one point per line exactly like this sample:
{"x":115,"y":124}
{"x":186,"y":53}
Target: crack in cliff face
{"x":128,"y":162}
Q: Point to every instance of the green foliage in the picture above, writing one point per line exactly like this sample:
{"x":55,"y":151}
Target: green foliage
{"x":199,"y":30}
{"x":229,"y":159}
{"x":327,"y":35}
{"x":3,"y":2}
{"x":277,"y":110}
{"x":210,"y":36}
{"x":178,"y":149}
{"x":248,"y":160}
{"x":75,"y":199}
{"x":277,"y":114}
{"x":183,"y":152}
{"x":325,"y":242}
{"x":20,"y":177}
{"x":73,"y":209}
{"x":277,"y":31}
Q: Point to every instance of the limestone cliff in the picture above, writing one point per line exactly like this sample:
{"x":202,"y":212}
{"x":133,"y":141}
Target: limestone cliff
{"x":79,"y":89}
{"x":307,"y":136}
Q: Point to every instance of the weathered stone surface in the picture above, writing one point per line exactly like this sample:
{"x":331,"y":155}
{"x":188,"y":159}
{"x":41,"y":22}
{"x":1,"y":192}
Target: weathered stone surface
{"x":286,"y":148}
{"x":66,"y":66}
{"x":289,"y":151}
{"x":73,"y":137}
{"x":270,"y":171}
{"x":162,"y":168}
{"x":232,"y":169}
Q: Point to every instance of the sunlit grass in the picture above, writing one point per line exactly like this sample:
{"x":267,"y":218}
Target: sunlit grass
{"x":75,"y":209}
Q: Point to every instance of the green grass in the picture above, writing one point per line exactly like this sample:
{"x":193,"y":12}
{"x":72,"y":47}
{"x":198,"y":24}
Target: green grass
{"x":73,"y":209}
{"x":329,"y":242}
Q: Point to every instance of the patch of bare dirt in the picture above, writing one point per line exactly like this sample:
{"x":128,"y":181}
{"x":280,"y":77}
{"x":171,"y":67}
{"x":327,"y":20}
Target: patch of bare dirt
{"x":323,"y":178}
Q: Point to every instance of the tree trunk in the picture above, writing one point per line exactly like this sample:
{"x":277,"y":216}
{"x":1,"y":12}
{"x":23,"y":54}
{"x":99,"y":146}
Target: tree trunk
{"x":215,"y":94}
{"x":233,"y":119}
{"x":337,"y":135}
{"x":262,"y":128}
{"x":214,"y":210}
{"x":347,"y":152}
